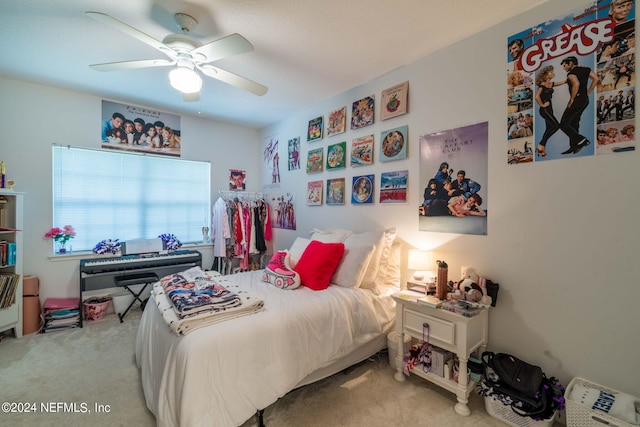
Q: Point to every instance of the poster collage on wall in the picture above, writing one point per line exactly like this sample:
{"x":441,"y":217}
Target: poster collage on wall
{"x":359,"y":151}
{"x":571,"y":85}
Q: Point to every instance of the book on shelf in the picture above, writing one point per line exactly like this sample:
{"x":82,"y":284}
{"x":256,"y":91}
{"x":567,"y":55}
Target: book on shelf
{"x":7,"y":253}
{"x":429,"y":301}
{"x":8,"y":287}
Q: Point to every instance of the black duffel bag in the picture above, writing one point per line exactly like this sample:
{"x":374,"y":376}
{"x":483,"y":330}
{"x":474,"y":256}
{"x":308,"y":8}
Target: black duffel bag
{"x":519,"y":380}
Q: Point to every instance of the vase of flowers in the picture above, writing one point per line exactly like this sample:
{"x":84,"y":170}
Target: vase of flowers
{"x":61,"y":236}
{"x":170,"y":242}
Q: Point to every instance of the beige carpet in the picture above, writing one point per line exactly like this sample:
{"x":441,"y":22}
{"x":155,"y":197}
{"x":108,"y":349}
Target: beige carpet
{"x":95,"y":366}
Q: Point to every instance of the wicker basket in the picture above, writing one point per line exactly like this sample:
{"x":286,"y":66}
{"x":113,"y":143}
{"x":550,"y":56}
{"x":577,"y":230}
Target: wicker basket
{"x":96,"y":308}
{"x":579,"y":415}
{"x":504,"y":413}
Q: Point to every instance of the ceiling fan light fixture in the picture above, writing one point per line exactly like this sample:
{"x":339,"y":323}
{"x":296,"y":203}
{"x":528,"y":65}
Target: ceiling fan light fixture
{"x":185,"y":80}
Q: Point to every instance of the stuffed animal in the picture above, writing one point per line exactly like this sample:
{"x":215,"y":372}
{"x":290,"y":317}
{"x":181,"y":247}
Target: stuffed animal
{"x":467,"y":288}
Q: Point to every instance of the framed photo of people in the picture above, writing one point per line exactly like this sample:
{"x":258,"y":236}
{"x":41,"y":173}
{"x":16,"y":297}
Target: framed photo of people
{"x":453,"y":180}
{"x":140,"y":130}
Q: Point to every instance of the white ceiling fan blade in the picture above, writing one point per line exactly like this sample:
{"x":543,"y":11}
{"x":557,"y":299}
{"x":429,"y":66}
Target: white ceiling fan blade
{"x":133,"y":32}
{"x":233,"y":79}
{"x":129,"y":65}
{"x":191,"y":97}
{"x":230,"y":45}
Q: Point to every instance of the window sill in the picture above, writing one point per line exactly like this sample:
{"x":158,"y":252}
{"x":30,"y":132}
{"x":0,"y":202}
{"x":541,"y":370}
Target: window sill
{"x":74,"y":256}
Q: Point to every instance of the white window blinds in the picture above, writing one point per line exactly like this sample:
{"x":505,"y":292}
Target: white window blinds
{"x":107,"y":194}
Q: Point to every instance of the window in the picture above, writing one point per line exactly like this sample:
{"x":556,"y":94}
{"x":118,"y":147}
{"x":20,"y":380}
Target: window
{"x":107,"y":194}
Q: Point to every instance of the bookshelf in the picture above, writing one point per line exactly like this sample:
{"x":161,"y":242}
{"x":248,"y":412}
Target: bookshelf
{"x":11,"y":224}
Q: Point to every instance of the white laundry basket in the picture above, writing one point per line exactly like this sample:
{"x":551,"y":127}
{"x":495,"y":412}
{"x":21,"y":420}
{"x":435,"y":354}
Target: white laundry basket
{"x":504,"y":413}
{"x":579,"y":415}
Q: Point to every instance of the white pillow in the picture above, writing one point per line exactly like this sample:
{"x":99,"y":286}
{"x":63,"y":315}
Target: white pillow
{"x":389,"y":272}
{"x":382,"y":240}
{"x":353,"y":265}
{"x":333,"y":235}
{"x":296,"y":250}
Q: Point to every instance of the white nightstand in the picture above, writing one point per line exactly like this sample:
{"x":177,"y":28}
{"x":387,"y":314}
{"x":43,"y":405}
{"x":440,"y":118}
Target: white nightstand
{"x":453,"y":332}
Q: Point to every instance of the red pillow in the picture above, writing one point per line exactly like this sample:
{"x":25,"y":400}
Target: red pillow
{"x":317,"y":264}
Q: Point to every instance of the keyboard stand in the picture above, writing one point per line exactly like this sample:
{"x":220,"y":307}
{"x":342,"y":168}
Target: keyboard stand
{"x":134,"y":279}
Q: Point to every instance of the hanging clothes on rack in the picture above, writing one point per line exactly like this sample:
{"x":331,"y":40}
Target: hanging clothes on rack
{"x":240,"y":226}
{"x":220,"y":228}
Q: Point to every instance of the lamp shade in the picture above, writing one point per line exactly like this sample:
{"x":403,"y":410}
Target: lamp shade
{"x":185,"y":80}
{"x":419,"y":261}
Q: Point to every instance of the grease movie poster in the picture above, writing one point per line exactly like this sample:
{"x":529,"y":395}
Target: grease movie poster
{"x":571,"y":85}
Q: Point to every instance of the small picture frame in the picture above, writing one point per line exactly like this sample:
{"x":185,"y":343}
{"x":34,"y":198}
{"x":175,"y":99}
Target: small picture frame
{"x":314,"y":130}
{"x":362,"y":112}
{"x":237,"y":179}
{"x":293,"y":151}
{"x":335,"y":191}
{"x":315,"y":160}
{"x":362,"y":151}
{"x":393,"y":186}
{"x":337,"y":121}
{"x":362,"y":189}
{"x":314,"y":193}
{"x":394,"y":101}
{"x":393,"y":144}
{"x":337,"y":156}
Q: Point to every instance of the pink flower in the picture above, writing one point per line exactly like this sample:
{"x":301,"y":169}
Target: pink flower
{"x":61,"y":234}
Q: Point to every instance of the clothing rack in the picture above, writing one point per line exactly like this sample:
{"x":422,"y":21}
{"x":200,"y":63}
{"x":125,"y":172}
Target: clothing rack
{"x":226,"y":265}
{"x":244,"y":196}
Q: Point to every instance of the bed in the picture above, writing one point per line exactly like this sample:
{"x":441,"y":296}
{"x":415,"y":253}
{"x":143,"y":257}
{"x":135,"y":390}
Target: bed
{"x":223,"y":373}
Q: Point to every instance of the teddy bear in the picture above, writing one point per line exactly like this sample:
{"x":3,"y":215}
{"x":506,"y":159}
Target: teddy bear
{"x":467,"y":288}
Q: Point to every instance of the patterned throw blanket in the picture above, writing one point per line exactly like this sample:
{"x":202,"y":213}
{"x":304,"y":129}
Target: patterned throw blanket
{"x":193,"y":290}
{"x":193,"y":298}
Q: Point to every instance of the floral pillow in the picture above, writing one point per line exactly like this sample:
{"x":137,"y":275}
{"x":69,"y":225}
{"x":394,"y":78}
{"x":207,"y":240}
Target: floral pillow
{"x":279,"y":273}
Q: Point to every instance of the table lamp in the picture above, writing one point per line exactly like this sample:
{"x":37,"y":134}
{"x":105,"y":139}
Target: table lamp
{"x":420,"y":262}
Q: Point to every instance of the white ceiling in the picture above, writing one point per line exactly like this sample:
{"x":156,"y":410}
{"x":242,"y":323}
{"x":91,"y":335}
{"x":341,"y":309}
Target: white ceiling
{"x":305,"y":51}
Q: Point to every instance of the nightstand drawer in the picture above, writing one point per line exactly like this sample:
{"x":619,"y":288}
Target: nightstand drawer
{"x":439,"y":329}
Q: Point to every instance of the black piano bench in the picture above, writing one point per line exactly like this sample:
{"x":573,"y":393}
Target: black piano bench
{"x":134,"y":279}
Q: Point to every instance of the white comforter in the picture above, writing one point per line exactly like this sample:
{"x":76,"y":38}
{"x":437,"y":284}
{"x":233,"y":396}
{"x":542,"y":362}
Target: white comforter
{"x":220,"y":375}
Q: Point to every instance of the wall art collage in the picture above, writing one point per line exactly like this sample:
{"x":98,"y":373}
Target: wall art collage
{"x":356,"y":151}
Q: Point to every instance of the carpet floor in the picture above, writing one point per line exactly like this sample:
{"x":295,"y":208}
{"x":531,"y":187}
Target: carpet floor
{"x":88,"y":376}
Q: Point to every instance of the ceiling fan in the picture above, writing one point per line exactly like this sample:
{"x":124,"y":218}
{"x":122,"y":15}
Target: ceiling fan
{"x":188,"y":54}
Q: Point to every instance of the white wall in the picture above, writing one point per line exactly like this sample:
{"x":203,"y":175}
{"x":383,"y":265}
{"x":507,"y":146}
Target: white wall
{"x":562,"y":234}
{"x":36,"y":116}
